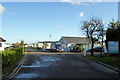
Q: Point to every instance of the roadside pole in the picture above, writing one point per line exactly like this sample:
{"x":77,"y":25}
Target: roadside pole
{"x":84,"y":51}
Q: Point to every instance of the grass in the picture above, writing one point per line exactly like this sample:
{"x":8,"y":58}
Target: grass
{"x":112,"y":61}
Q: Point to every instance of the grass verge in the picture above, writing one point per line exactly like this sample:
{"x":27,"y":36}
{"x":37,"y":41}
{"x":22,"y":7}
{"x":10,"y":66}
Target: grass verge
{"x":112,"y":61}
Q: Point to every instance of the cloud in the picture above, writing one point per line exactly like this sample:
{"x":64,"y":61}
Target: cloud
{"x":81,"y":14}
{"x":83,"y":2}
{"x":75,"y":2}
{"x":95,"y":0}
{"x":2,"y":9}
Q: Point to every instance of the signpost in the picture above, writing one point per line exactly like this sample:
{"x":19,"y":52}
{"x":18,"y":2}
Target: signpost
{"x":113,"y":47}
{"x":84,"y":51}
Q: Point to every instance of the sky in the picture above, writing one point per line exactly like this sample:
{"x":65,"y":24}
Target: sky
{"x":36,"y":21}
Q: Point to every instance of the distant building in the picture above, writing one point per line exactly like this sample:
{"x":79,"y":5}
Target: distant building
{"x":2,"y":44}
{"x":119,"y":10}
{"x":40,"y":44}
{"x":70,"y":42}
{"x":35,"y":45}
{"x":47,"y":44}
{"x":8,"y":45}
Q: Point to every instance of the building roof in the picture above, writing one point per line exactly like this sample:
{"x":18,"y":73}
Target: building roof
{"x":48,"y":42}
{"x":40,"y":42}
{"x":81,"y":40}
{"x":2,"y":40}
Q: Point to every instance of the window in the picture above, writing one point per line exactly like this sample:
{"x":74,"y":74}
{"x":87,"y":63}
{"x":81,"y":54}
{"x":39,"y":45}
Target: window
{"x":0,"y":44}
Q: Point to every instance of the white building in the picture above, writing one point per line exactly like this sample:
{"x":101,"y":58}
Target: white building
{"x":119,"y":10}
{"x":30,"y":45}
{"x":70,"y":42}
{"x":35,"y":45}
{"x":2,"y":44}
{"x":47,"y":44}
{"x":7,"y":45}
{"x":40,"y":44}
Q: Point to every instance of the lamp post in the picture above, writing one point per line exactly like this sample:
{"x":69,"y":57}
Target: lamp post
{"x":51,"y":41}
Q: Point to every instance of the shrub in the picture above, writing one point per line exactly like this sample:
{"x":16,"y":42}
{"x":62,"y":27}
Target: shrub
{"x":9,"y":57}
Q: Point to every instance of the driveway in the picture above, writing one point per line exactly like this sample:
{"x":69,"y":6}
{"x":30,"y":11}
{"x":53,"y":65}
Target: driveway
{"x":59,"y":65}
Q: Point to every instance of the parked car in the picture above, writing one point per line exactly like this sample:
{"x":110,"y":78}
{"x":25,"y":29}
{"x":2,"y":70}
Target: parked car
{"x":56,"y":47}
{"x":14,"y":46}
{"x":96,"y":49}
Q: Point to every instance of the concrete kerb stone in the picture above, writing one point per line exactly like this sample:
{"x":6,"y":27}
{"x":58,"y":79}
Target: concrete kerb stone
{"x":102,"y":66}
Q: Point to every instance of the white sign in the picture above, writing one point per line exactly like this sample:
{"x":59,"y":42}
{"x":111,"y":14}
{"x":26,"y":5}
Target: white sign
{"x":113,"y":47}
{"x":105,"y":49}
{"x":85,"y":51}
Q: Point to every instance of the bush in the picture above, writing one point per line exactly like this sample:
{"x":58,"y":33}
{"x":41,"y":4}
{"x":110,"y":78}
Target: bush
{"x":9,"y":57}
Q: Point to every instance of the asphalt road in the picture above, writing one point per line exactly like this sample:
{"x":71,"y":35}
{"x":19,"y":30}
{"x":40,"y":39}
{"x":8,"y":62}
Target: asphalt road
{"x":59,"y":65}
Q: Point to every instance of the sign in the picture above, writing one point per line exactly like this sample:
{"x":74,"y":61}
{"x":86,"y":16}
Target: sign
{"x":105,"y":49}
{"x":85,"y":51}
{"x":113,"y":47}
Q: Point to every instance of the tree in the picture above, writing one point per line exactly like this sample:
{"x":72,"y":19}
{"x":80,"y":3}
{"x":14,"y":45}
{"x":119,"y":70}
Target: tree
{"x":92,"y":28}
{"x":112,"y":24}
{"x":101,"y":35}
{"x":16,"y":44}
{"x":22,"y":43}
{"x":113,"y":32}
{"x":113,"y":29}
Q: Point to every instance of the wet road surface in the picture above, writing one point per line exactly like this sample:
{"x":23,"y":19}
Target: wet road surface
{"x":59,"y":66}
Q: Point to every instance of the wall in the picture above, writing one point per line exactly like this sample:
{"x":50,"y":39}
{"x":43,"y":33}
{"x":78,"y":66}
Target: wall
{"x":64,"y":44}
{"x":47,"y":45}
{"x":40,"y":45}
{"x":35,"y":45}
{"x":3,"y":45}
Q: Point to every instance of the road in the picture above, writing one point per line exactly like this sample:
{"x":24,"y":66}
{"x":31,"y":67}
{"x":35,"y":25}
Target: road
{"x":58,"y":65}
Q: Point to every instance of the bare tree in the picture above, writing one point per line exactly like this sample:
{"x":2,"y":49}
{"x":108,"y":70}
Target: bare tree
{"x":92,"y":28}
{"x":101,"y":34}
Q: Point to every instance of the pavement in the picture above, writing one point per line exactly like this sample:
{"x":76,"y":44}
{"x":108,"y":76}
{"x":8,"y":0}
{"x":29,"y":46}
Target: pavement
{"x":39,"y":65}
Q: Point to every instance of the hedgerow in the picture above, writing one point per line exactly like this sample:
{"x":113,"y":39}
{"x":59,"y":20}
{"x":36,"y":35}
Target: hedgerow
{"x":10,"y":56}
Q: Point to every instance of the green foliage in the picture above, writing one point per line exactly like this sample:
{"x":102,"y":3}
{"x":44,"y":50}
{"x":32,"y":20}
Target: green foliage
{"x":22,"y":43}
{"x":114,"y":24}
{"x":113,"y":61}
{"x":113,"y":32}
{"x":10,"y":56}
{"x":78,"y":48}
